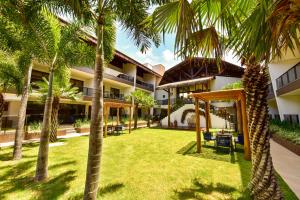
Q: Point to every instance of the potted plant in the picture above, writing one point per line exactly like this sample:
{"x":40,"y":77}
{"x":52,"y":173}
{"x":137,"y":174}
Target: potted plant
{"x":82,"y":125}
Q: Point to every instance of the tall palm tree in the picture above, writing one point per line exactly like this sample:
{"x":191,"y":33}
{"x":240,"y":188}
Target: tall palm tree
{"x":130,"y":14}
{"x":17,"y":30}
{"x":257,"y":30}
{"x":62,"y":88}
{"x":64,"y":48}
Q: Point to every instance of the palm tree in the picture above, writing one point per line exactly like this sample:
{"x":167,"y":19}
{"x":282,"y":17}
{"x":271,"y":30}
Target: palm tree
{"x":130,"y":14}
{"x":17,"y":30}
{"x":65,"y":47}
{"x":257,"y":31}
{"x":62,"y":88}
{"x":10,"y":78}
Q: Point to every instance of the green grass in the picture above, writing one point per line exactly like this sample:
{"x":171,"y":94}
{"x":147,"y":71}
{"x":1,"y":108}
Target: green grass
{"x":147,"y":164}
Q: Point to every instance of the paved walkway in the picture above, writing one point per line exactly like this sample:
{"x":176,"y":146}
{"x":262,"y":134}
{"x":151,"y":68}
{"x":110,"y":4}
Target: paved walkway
{"x":287,"y":164}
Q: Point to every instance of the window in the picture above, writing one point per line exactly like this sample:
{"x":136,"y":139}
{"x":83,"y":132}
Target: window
{"x":294,"y":119}
{"x":164,"y":96}
{"x":114,"y":92}
{"x":277,"y":116}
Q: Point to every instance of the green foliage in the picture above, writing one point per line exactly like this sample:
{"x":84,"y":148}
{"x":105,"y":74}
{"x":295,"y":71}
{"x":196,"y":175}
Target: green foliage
{"x":35,"y":126}
{"x":143,"y":99}
{"x":286,"y":130}
{"x":82,"y":123}
{"x":235,"y":85}
{"x":178,"y":104}
{"x":62,"y":88}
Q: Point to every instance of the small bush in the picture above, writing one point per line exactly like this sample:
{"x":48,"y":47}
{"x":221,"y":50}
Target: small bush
{"x":35,"y":126}
{"x":82,"y":123}
{"x":286,"y":130}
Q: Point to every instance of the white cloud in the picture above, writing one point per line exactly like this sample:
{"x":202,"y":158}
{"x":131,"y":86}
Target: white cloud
{"x":168,"y":55}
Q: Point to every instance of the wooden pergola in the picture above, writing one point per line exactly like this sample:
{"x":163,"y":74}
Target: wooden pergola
{"x":118,"y":105}
{"x":236,"y":94}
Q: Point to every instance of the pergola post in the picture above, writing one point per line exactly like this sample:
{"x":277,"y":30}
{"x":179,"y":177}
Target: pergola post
{"x":207,"y":116}
{"x":247,"y":151}
{"x":130,"y":117}
{"x":169,"y":109}
{"x":239,"y":117}
{"x":118,"y":116}
{"x":106,"y":112}
{"x":198,"y":135}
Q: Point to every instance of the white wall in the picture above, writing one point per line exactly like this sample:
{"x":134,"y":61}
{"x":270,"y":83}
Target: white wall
{"x":286,"y":104}
{"x":216,"y":121}
{"x":220,"y":81}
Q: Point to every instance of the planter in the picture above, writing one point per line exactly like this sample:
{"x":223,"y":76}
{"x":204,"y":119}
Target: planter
{"x":61,"y":132}
{"x":82,"y":130}
{"x":287,"y":144}
{"x":32,"y":135}
{"x":7,"y":137}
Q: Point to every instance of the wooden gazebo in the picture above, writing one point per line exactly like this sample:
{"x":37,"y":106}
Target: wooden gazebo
{"x":236,"y":94}
{"x":118,"y":105}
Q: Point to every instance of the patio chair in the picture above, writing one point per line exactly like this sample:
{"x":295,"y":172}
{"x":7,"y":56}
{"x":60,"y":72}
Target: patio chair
{"x":208,"y":137}
{"x":224,"y":141}
{"x":118,"y":129}
{"x":239,"y":140}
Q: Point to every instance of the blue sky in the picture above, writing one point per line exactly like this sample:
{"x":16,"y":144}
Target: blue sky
{"x":164,"y":54}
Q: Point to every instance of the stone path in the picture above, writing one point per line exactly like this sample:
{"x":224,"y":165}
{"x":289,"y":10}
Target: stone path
{"x":287,"y":164}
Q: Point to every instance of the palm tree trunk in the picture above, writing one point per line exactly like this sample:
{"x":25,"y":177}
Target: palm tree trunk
{"x":136,"y":108}
{"x":96,"y":127}
{"x":1,"y":109}
{"x":263,"y":184}
{"x":54,"y":119}
{"x":17,"y":154}
{"x":41,"y":172}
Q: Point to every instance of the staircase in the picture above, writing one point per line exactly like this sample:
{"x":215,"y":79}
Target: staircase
{"x":69,"y":129}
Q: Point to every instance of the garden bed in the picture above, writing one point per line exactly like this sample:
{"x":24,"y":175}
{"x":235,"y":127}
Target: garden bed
{"x":82,"y":129}
{"x":287,"y":144}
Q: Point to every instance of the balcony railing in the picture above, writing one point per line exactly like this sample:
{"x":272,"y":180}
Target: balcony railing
{"x":144,"y":85}
{"x":88,"y":92}
{"x":270,"y":91}
{"x":288,"y":77}
{"x":126,"y":77}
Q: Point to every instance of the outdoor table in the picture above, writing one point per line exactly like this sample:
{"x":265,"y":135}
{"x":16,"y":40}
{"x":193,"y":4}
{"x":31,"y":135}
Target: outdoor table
{"x":224,"y":140}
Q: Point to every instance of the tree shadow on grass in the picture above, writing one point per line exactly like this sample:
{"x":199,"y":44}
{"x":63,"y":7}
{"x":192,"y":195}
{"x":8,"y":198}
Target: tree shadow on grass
{"x":208,"y":152}
{"x":206,"y":191}
{"x":20,"y":177}
{"x":56,"y":186}
{"x":102,"y":191}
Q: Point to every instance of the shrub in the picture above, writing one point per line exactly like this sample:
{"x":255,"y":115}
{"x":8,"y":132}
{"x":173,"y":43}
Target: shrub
{"x":286,"y":130}
{"x":35,"y":126}
{"x":82,"y":123}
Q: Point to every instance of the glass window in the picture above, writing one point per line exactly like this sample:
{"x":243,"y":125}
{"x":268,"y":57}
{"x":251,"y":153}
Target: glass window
{"x":298,"y":70}
{"x":284,"y":79}
{"x":279,"y":83}
{"x":292,"y":75}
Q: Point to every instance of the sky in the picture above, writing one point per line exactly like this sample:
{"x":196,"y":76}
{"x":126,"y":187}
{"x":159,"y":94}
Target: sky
{"x":164,"y":54}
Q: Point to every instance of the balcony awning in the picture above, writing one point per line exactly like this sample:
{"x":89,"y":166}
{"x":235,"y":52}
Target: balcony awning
{"x":185,"y":83}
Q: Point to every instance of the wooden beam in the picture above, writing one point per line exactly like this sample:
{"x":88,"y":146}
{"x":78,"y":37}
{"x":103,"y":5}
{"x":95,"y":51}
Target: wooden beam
{"x":118,"y":116}
{"x":207,"y":116}
{"x":106,"y":111}
{"x":169,"y":109}
{"x":239,"y":117}
{"x":130,"y":117}
{"x":198,"y":131}
{"x":247,"y":150}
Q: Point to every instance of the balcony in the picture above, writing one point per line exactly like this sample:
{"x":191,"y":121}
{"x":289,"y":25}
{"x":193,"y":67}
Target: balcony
{"x":146,"y":86}
{"x":271,"y":94}
{"x":88,"y":94}
{"x":289,"y":81}
{"x":118,"y":76}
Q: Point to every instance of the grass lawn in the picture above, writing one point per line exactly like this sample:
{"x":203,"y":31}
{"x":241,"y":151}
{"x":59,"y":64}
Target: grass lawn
{"x":147,"y":164}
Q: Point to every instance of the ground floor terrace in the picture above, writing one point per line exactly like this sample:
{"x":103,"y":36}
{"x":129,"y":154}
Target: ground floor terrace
{"x":146,"y":164}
